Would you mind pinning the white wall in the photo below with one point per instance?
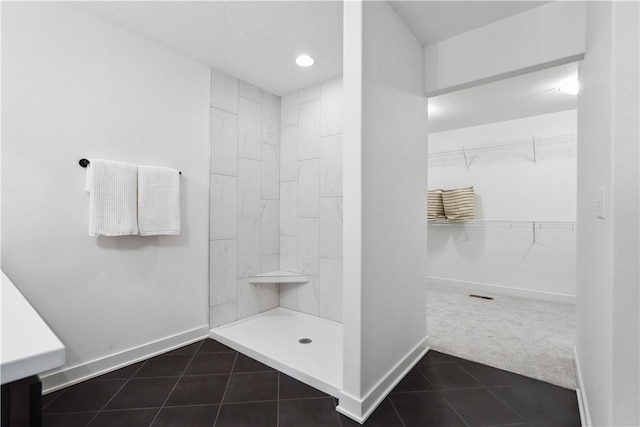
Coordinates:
(394, 177)
(385, 183)
(607, 254)
(74, 86)
(352, 209)
(245, 156)
(550, 34)
(311, 198)
(508, 186)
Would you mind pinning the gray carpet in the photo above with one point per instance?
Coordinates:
(529, 337)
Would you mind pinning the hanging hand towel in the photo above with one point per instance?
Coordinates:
(158, 201)
(112, 188)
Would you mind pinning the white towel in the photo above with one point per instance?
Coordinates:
(112, 188)
(158, 201)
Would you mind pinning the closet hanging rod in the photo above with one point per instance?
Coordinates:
(565, 137)
(84, 163)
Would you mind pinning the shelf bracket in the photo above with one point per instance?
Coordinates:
(464, 154)
(466, 236)
(533, 229)
(533, 144)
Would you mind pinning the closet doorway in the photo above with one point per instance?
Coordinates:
(502, 284)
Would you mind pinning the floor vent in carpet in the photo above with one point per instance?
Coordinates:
(480, 296)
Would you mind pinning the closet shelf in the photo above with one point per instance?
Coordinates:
(533, 142)
(506, 223)
(532, 225)
(279, 276)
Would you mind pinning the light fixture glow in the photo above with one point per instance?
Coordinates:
(304, 60)
(571, 87)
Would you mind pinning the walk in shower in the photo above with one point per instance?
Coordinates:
(283, 183)
(276, 227)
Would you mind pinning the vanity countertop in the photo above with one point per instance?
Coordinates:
(28, 345)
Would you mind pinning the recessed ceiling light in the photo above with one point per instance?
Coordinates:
(304, 60)
(571, 87)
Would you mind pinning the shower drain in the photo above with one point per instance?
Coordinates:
(304, 340)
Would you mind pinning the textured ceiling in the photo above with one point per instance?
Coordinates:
(433, 21)
(255, 41)
(522, 96)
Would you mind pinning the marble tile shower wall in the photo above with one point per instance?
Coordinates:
(245, 193)
(311, 198)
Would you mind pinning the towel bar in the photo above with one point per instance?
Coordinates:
(84, 163)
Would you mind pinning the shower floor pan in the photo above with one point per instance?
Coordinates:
(273, 338)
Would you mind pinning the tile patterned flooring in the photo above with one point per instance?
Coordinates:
(209, 384)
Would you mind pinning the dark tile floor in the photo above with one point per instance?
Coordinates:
(209, 384)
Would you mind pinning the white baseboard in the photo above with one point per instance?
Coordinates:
(359, 409)
(55, 380)
(499, 290)
(585, 415)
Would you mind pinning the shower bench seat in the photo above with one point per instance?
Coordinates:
(279, 276)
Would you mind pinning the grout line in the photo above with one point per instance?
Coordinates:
(177, 382)
(221, 109)
(68, 412)
(454, 410)
(473, 376)
(309, 398)
(506, 404)
(331, 134)
(460, 388)
(222, 374)
(218, 240)
(251, 158)
(236, 296)
(396, 411)
(63, 391)
(194, 405)
(118, 391)
(225, 389)
(423, 376)
(436, 390)
(255, 372)
(248, 401)
(224, 174)
(132, 409)
(157, 376)
(278, 402)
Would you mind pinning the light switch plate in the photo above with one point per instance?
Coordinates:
(598, 203)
